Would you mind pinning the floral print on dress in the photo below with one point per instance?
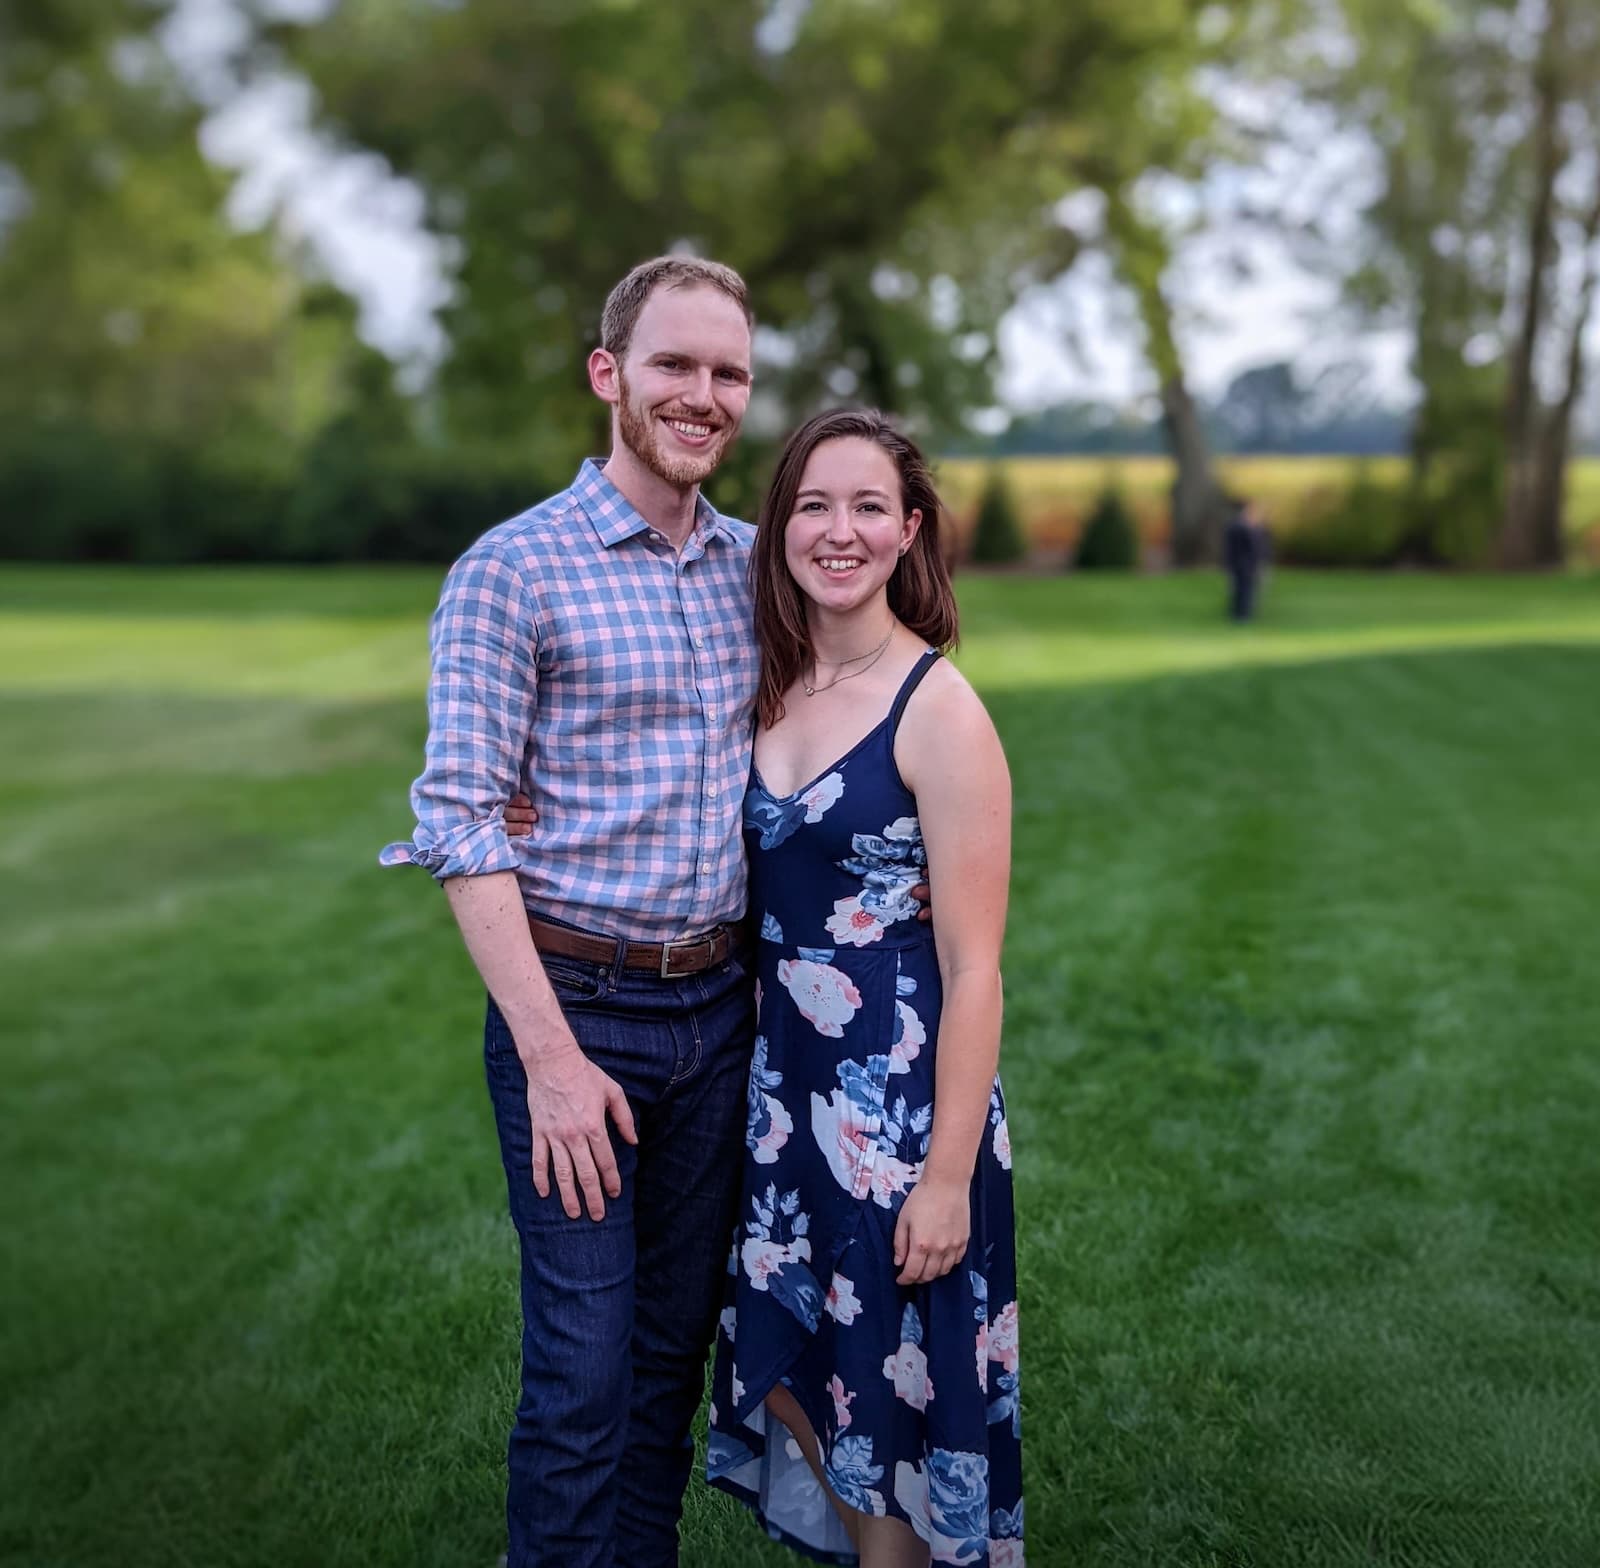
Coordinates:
(1005, 1537)
(1003, 1337)
(844, 1306)
(1002, 1133)
(851, 1473)
(851, 923)
(980, 1311)
(776, 1265)
(821, 795)
(947, 1499)
(767, 1124)
(842, 1400)
(907, 1368)
(826, 997)
(775, 821)
(909, 1038)
(1005, 1408)
(845, 1129)
(889, 864)
(902, 1147)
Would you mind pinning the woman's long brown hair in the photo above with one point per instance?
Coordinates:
(919, 591)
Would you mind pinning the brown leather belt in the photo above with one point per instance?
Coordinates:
(669, 960)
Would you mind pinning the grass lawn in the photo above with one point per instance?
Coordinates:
(1302, 1017)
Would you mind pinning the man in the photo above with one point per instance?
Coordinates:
(1244, 551)
(596, 653)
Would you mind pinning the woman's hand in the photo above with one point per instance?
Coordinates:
(930, 1237)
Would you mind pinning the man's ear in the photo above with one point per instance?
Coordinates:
(605, 379)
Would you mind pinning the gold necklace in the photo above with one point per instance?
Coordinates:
(872, 658)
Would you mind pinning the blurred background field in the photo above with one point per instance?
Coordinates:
(1299, 1050)
(1054, 495)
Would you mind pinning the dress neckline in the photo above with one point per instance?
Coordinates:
(901, 696)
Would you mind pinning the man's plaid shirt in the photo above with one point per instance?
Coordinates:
(578, 658)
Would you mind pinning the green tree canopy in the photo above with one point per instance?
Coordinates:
(846, 162)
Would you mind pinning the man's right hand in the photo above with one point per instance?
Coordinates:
(568, 1096)
(568, 1100)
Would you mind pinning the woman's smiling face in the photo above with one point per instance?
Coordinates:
(847, 529)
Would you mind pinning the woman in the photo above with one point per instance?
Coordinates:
(865, 1390)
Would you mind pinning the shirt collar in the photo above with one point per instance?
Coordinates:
(615, 518)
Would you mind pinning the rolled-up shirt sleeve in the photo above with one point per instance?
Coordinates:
(482, 695)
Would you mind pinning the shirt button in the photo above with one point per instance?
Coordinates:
(705, 868)
(711, 790)
(699, 642)
(657, 539)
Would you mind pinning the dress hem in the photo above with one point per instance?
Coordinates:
(777, 1533)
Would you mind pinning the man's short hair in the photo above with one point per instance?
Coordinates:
(627, 299)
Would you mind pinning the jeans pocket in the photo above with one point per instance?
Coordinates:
(575, 982)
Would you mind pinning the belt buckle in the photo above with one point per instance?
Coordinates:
(704, 940)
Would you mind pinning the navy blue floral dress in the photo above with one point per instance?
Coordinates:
(911, 1391)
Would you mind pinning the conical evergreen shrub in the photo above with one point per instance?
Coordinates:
(1109, 541)
(998, 538)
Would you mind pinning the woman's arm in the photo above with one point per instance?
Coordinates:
(950, 758)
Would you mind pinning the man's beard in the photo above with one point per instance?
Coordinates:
(641, 435)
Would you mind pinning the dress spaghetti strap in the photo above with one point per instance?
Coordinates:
(909, 685)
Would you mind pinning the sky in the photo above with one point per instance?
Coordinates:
(1242, 296)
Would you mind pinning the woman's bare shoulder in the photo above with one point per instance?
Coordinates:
(943, 716)
(944, 696)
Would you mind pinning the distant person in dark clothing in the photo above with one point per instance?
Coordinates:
(1244, 553)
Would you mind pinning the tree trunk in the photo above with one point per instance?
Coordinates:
(1522, 422)
(1547, 492)
(1197, 500)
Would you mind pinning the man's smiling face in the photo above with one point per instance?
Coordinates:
(684, 382)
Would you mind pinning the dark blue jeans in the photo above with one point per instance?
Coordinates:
(618, 1314)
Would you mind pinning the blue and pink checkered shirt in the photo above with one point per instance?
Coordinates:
(578, 658)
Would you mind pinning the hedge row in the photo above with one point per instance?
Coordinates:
(82, 495)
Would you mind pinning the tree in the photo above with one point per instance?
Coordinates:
(844, 155)
(997, 537)
(131, 303)
(1149, 109)
(1198, 504)
(1563, 89)
(560, 144)
(1483, 112)
(128, 300)
(1109, 541)
(162, 375)
(1547, 495)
